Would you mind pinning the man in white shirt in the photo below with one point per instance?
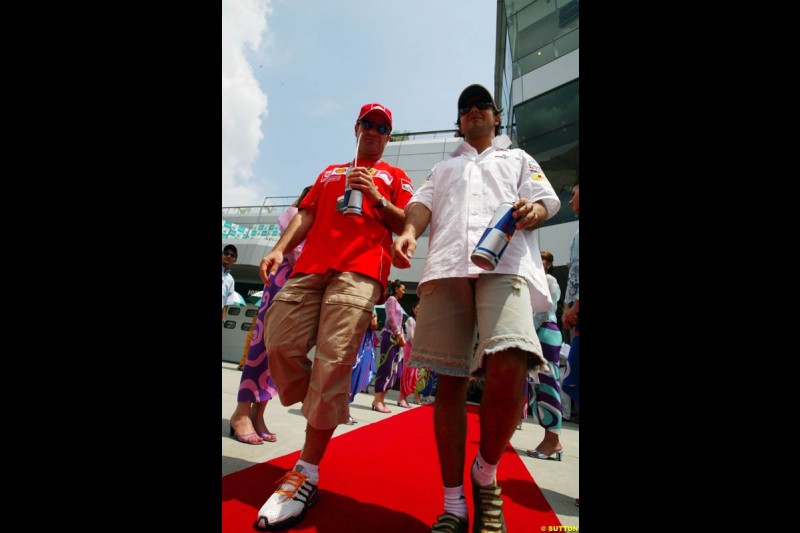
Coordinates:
(229, 255)
(461, 194)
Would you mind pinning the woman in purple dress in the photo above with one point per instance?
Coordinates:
(256, 387)
(364, 367)
(392, 342)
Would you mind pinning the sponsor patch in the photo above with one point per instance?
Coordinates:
(533, 168)
(340, 170)
(537, 177)
(381, 174)
(408, 187)
(334, 174)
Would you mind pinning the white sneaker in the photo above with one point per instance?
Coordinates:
(287, 505)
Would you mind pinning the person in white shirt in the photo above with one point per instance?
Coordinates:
(229, 255)
(460, 195)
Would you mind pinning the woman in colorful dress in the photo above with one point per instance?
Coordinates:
(364, 367)
(392, 340)
(546, 388)
(410, 378)
(256, 387)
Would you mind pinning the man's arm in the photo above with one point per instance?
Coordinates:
(393, 216)
(295, 233)
(417, 219)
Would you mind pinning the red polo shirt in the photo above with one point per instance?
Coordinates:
(351, 244)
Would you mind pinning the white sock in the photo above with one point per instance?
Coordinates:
(454, 501)
(312, 471)
(482, 472)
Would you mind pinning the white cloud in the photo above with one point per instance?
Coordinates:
(244, 24)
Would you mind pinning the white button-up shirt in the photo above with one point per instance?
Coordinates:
(463, 193)
(228, 286)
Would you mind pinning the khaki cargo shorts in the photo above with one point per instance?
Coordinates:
(330, 311)
(461, 320)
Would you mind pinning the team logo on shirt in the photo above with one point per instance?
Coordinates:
(334, 174)
(381, 174)
(538, 177)
(408, 187)
(533, 168)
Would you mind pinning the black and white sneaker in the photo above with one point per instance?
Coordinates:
(287, 505)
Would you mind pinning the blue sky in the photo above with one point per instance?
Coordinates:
(296, 72)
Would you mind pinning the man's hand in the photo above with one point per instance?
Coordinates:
(403, 250)
(529, 215)
(570, 316)
(361, 179)
(269, 265)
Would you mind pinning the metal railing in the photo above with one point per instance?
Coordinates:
(433, 134)
(266, 207)
(415, 135)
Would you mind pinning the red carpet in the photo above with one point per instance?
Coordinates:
(384, 477)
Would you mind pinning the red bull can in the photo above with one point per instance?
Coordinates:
(495, 238)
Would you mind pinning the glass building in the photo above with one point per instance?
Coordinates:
(537, 84)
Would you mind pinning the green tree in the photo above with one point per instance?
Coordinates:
(400, 136)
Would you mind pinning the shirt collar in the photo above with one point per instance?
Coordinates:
(501, 141)
(225, 271)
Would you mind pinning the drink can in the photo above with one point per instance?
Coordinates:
(353, 200)
(495, 238)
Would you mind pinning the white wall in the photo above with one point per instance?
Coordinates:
(556, 239)
(234, 340)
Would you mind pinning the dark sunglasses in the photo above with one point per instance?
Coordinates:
(367, 125)
(229, 254)
(480, 105)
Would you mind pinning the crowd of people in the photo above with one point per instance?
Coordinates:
(499, 326)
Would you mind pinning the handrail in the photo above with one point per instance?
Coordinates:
(248, 209)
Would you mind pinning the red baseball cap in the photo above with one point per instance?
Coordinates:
(369, 108)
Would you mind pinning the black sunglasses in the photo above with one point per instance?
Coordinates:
(480, 105)
(367, 125)
(229, 254)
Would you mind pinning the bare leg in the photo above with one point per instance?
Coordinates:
(315, 444)
(257, 415)
(501, 402)
(379, 401)
(550, 443)
(241, 422)
(450, 428)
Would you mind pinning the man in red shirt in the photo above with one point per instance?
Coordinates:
(338, 278)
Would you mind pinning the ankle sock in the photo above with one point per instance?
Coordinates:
(482, 472)
(312, 471)
(454, 501)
